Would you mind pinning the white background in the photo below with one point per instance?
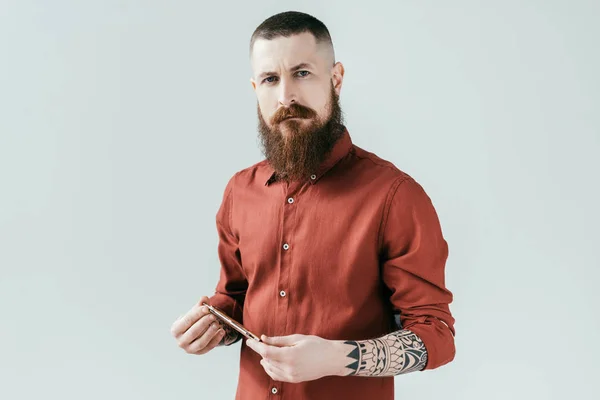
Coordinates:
(121, 122)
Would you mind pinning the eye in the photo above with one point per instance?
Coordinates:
(303, 74)
(269, 79)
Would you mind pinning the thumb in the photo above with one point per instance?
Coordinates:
(280, 340)
(204, 299)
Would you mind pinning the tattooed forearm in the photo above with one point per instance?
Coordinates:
(231, 336)
(393, 354)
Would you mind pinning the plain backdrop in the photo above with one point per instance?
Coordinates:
(121, 122)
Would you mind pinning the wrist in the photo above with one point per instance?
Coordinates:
(339, 357)
(231, 336)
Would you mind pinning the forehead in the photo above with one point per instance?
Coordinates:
(269, 55)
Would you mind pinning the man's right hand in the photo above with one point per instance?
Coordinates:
(198, 331)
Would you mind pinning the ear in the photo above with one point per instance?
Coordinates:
(253, 82)
(337, 76)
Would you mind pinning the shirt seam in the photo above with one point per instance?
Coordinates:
(229, 228)
(230, 200)
(382, 165)
(387, 207)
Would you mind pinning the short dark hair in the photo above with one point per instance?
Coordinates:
(291, 23)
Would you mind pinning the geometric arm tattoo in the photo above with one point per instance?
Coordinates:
(396, 353)
(231, 336)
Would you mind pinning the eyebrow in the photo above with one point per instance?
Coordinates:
(293, 69)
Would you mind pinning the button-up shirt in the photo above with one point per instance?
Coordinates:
(337, 256)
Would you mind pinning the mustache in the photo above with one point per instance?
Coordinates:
(293, 111)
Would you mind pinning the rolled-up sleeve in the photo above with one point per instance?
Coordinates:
(231, 288)
(414, 254)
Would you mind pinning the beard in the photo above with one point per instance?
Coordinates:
(298, 153)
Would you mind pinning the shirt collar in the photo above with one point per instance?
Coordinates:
(340, 149)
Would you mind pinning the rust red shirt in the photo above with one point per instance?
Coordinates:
(335, 256)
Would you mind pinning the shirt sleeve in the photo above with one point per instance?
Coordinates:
(414, 255)
(231, 288)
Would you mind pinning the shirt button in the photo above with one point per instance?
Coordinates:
(313, 177)
(274, 390)
(290, 200)
(282, 293)
(286, 246)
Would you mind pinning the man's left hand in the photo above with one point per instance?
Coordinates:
(299, 358)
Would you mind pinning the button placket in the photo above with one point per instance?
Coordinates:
(289, 209)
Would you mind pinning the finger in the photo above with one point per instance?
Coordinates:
(183, 323)
(276, 367)
(271, 371)
(281, 341)
(196, 330)
(202, 341)
(256, 346)
(280, 366)
(267, 351)
(213, 343)
(189, 319)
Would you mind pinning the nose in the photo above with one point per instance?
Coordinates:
(287, 93)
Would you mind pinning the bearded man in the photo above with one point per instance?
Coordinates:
(332, 254)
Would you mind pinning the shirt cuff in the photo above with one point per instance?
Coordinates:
(228, 305)
(438, 341)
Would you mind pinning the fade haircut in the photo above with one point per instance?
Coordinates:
(291, 23)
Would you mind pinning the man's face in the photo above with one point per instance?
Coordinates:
(297, 88)
(293, 70)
